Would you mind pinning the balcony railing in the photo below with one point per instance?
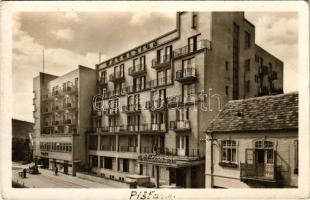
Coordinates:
(192, 48)
(47, 96)
(68, 121)
(116, 129)
(70, 89)
(111, 111)
(69, 105)
(117, 76)
(107, 148)
(127, 149)
(57, 123)
(181, 125)
(56, 93)
(57, 107)
(137, 70)
(156, 105)
(256, 172)
(186, 75)
(132, 108)
(170, 151)
(162, 61)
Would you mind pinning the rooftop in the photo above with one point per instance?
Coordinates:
(260, 113)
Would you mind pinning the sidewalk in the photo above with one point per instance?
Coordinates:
(47, 179)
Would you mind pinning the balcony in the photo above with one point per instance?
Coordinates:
(69, 105)
(146, 128)
(70, 89)
(47, 124)
(161, 62)
(192, 48)
(187, 75)
(96, 113)
(111, 112)
(56, 93)
(256, 173)
(117, 77)
(56, 123)
(47, 110)
(137, 70)
(68, 121)
(116, 129)
(180, 125)
(57, 108)
(160, 82)
(194, 153)
(46, 97)
(131, 149)
(156, 105)
(107, 148)
(131, 109)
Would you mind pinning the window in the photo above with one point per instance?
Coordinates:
(226, 66)
(229, 151)
(227, 90)
(247, 86)
(256, 58)
(192, 44)
(247, 65)
(194, 21)
(247, 40)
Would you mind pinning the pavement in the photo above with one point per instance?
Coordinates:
(47, 179)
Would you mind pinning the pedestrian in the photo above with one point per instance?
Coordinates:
(56, 170)
(24, 172)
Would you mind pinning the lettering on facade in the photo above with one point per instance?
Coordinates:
(156, 159)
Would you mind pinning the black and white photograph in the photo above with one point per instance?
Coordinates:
(148, 101)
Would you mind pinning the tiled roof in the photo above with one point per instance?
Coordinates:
(260, 113)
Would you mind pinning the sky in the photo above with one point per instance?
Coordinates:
(70, 39)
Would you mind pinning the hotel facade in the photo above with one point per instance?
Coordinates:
(154, 102)
(62, 109)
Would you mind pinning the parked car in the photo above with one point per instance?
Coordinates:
(33, 169)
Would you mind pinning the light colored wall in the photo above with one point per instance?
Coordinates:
(230, 177)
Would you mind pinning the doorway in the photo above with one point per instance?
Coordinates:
(264, 158)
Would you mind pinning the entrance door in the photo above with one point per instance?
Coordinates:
(264, 154)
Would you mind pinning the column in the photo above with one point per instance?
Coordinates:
(116, 142)
(157, 176)
(139, 144)
(98, 143)
(188, 177)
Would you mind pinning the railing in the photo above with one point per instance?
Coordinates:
(186, 73)
(56, 92)
(132, 108)
(69, 89)
(56, 108)
(161, 61)
(181, 125)
(117, 76)
(127, 149)
(115, 129)
(107, 148)
(171, 152)
(56, 123)
(191, 48)
(157, 104)
(68, 121)
(248, 171)
(111, 111)
(69, 105)
(137, 69)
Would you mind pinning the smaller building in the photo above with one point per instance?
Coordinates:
(254, 143)
(22, 142)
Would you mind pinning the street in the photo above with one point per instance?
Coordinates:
(47, 179)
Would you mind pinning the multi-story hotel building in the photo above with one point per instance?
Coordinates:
(62, 106)
(139, 133)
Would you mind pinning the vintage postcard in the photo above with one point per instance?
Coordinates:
(154, 100)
